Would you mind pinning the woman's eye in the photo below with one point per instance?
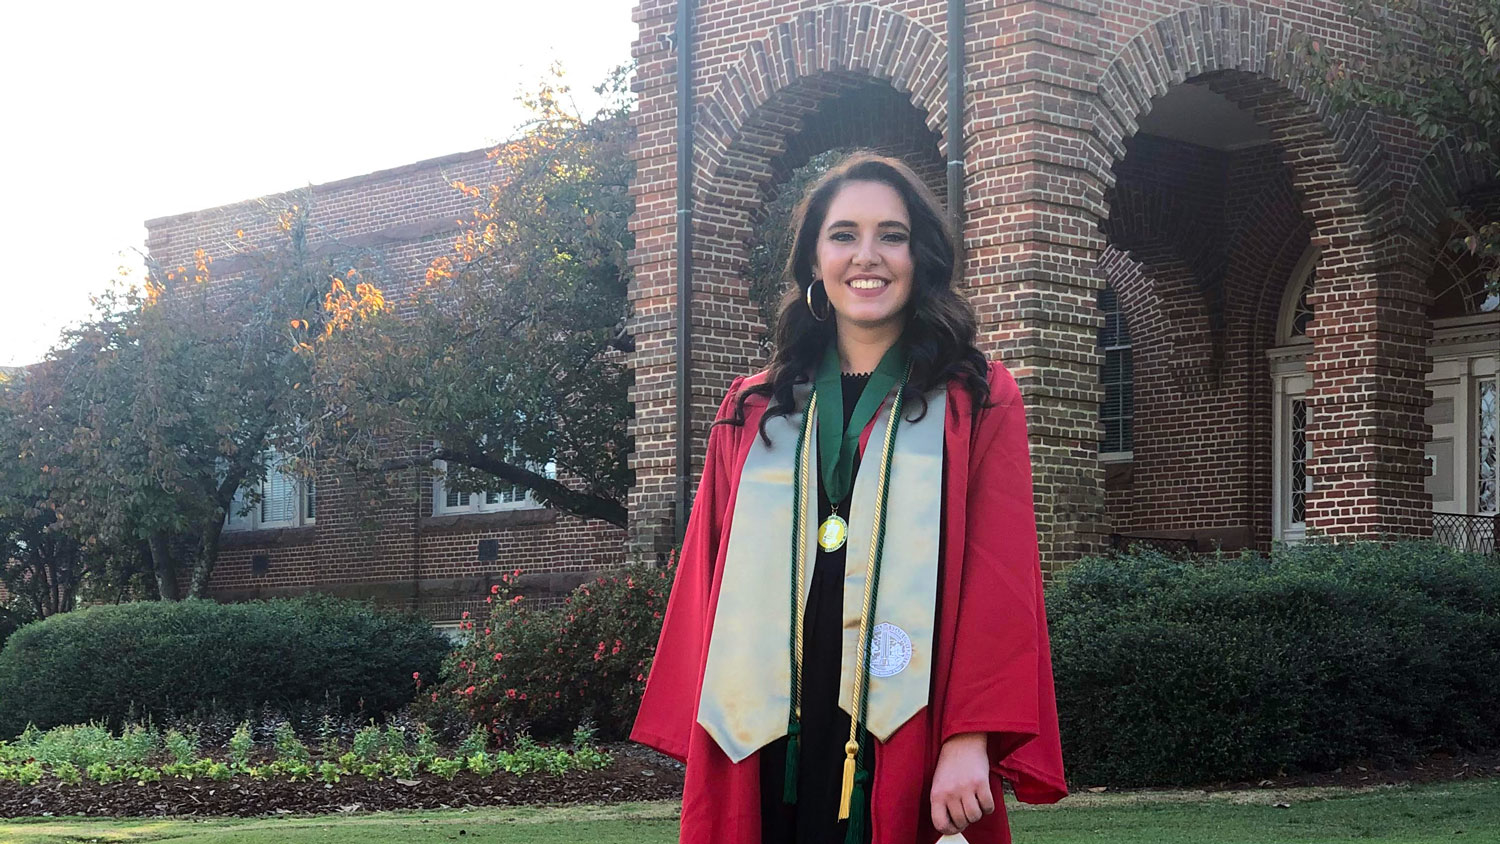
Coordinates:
(842, 237)
(894, 237)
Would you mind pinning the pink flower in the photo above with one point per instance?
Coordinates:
(416, 675)
(510, 693)
(469, 690)
(495, 590)
(499, 656)
(465, 615)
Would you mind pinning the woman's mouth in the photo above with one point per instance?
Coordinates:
(868, 286)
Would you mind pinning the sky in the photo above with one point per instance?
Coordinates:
(121, 112)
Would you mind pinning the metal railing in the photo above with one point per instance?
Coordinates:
(1465, 532)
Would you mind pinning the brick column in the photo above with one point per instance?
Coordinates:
(1367, 434)
(1033, 195)
(653, 285)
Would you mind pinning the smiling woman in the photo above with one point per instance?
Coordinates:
(848, 694)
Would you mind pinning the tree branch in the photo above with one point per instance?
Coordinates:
(554, 493)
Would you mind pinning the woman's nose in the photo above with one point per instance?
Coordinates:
(867, 254)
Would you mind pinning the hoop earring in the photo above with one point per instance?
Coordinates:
(810, 308)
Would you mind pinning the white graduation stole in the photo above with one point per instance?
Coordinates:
(747, 676)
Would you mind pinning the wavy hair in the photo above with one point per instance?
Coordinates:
(940, 327)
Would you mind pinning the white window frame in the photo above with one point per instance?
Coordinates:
(1464, 355)
(1291, 384)
(479, 502)
(305, 494)
(1127, 455)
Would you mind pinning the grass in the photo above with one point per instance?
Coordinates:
(1399, 815)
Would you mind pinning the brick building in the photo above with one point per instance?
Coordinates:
(1229, 311)
(433, 550)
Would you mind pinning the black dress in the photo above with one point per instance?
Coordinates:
(825, 726)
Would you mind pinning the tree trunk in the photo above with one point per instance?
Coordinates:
(208, 554)
(162, 565)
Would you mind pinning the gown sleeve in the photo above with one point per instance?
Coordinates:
(669, 706)
(1001, 681)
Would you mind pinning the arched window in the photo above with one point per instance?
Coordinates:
(1291, 413)
(1296, 313)
(1117, 377)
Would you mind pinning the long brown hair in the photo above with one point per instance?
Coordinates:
(940, 325)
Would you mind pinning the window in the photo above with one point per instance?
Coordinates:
(1117, 378)
(285, 499)
(448, 502)
(1292, 483)
(1487, 446)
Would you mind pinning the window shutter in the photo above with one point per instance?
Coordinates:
(278, 503)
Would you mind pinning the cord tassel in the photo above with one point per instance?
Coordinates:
(856, 831)
(847, 792)
(793, 753)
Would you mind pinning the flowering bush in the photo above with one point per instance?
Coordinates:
(547, 671)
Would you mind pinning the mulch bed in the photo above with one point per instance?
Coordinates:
(637, 774)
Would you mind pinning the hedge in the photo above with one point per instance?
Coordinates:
(164, 659)
(1174, 672)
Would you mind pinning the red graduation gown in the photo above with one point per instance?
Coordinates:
(992, 670)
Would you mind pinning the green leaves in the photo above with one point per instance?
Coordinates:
(512, 351)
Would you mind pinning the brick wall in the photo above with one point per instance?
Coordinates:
(1053, 96)
(412, 558)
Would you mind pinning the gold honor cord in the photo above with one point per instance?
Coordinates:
(799, 609)
(872, 577)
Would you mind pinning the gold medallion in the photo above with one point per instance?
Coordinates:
(832, 533)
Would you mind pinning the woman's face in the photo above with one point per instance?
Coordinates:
(864, 255)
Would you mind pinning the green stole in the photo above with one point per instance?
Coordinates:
(747, 692)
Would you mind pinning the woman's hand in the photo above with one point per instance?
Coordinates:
(961, 784)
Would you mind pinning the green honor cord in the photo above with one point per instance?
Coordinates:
(855, 792)
(856, 773)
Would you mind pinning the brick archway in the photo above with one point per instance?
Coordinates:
(1368, 360)
(1052, 91)
(750, 122)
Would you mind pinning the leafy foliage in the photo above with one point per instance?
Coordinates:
(1172, 672)
(548, 671)
(1436, 65)
(110, 663)
(138, 430)
(69, 753)
(511, 354)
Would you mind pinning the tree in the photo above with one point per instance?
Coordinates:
(41, 569)
(1437, 66)
(149, 418)
(511, 354)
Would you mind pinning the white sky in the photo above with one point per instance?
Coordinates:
(115, 113)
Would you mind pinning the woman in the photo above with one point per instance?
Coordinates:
(856, 646)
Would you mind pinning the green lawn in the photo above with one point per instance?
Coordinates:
(1467, 812)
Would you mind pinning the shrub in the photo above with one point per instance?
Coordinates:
(547, 671)
(165, 659)
(10, 622)
(1175, 672)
